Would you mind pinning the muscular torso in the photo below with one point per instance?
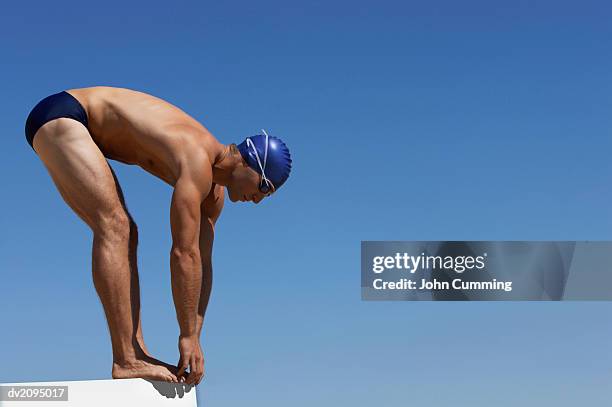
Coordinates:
(139, 129)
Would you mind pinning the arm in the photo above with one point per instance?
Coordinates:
(207, 233)
(186, 273)
(211, 209)
(185, 263)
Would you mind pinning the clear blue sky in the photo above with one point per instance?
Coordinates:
(407, 121)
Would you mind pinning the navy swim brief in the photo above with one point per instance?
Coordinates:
(52, 107)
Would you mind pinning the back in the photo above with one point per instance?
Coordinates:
(137, 128)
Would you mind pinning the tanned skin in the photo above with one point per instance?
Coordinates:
(139, 129)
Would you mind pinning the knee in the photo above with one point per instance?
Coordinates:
(114, 226)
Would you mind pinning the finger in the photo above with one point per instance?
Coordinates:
(189, 379)
(183, 365)
(201, 370)
(198, 371)
(192, 371)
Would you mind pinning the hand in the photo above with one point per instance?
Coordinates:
(192, 358)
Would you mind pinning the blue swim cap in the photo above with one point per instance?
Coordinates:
(269, 156)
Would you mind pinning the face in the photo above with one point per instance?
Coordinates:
(244, 185)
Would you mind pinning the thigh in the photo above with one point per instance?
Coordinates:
(79, 170)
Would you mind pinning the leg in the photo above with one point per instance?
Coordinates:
(133, 264)
(85, 181)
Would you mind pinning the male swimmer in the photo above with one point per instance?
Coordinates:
(75, 131)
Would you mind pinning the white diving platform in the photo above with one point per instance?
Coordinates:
(98, 393)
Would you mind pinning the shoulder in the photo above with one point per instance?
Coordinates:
(193, 161)
(195, 156)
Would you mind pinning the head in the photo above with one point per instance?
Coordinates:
(264, 165)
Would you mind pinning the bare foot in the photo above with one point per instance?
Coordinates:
(145, 368)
